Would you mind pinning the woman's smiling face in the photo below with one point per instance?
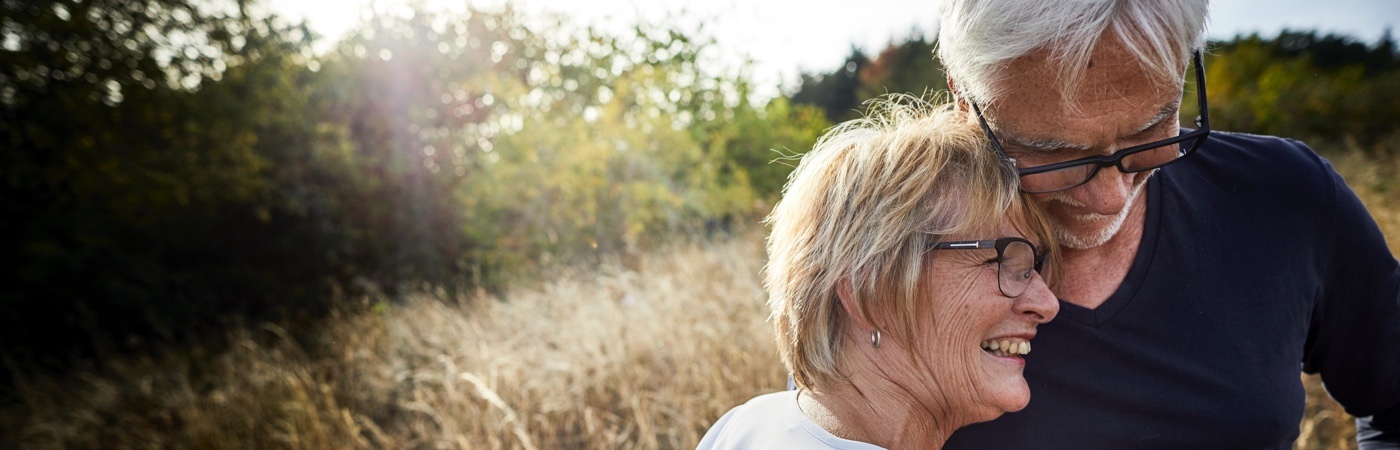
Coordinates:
(975, 335)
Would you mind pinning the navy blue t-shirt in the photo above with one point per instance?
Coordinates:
(1256, 262)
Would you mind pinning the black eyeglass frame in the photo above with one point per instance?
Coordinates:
(1200, 134)
(1000, 245)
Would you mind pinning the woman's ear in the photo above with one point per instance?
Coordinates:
(855, 312)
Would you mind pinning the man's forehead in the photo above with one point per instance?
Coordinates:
(1048, 74)
(1033, 99)
(1048, 136)
(1115, 102)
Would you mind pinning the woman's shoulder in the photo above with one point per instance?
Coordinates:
(773, 421)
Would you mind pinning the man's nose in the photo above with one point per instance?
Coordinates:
(1107, 192)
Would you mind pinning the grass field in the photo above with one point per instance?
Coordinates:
(644, 353)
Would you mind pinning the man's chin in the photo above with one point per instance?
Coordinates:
(1088, 230)
(1085, 236)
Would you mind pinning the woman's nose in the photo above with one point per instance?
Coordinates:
(1038, 303)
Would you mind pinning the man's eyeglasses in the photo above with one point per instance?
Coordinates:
(1138, 158)
(1017, 261)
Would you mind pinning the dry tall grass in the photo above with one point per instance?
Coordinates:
(641, 355)
(611, 358)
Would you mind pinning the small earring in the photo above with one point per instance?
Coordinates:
(875, 339)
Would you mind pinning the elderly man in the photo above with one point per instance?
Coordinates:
(1201, 270)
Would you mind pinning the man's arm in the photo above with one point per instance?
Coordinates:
(1354, 340)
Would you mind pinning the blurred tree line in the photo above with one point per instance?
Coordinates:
(1331, 90)
(169, 166)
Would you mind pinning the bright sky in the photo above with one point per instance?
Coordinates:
(783, 37)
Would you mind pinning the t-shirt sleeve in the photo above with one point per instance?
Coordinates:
(1354, 337)
(711, 439)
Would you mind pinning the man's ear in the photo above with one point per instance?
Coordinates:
(958, 99)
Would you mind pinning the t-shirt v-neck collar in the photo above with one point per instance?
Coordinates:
(1142, 262)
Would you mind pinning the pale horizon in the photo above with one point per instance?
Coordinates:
(784, 38)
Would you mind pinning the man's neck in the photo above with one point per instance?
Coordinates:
(1089, 276)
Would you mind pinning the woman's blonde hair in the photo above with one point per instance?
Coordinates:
(861, 208)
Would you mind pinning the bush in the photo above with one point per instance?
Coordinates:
(207, 165)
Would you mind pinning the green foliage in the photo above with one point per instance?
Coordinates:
(1327, 88)
(908, 67)
(749, 146)
(835, 92)
(175, 164)
(140, 143)
(501, 147)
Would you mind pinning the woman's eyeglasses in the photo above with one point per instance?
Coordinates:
(1017, 260)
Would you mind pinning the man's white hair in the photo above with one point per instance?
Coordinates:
(977, 38)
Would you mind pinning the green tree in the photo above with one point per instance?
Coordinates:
(906, 67)
(909, 67)
(1322, 88)
(836, 92)
(142, 155)
(176, 166)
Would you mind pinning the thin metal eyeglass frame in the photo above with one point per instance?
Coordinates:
(1116, 159)
(1000, 245)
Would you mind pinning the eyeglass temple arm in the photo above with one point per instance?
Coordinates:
(965, 244)
(988, 129)
(1204, 117)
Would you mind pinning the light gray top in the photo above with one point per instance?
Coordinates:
(773, 421)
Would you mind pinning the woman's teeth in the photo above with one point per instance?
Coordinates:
(1006, 347)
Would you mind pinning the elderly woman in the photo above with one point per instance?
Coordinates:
(903, 278)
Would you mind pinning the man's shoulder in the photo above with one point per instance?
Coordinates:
(1245, 150)
(1244, 163)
